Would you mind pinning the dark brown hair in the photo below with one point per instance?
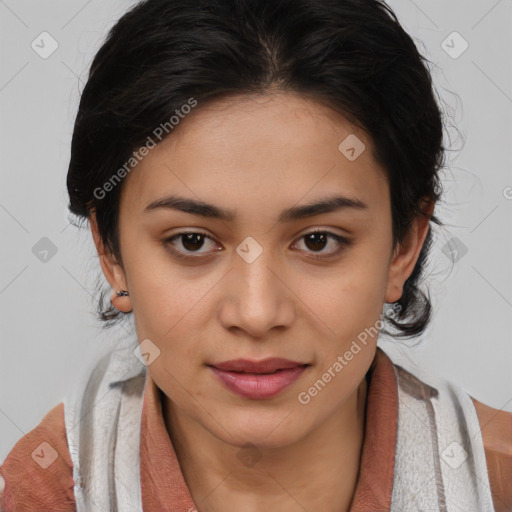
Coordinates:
(351, 55)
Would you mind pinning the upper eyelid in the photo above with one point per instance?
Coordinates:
(338, 237)
(199, 232)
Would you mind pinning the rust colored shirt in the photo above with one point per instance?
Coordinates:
(30, 486)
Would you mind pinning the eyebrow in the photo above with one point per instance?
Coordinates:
(194, 207)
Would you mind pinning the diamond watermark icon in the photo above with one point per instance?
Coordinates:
(454, 455)
(249, 455)
(44, 455)
(454, 249)
(454, 45)
(44, 45)
(44, 250)
(249, 249)
(351, 147)
(146, 352)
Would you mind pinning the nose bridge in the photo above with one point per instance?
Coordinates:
(253, 270)
(258, 295)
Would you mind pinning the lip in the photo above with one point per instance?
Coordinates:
(269, 365)
(258, 379)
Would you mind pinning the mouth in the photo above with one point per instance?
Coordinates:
(258, 380)
(261, 373)
(264, 367)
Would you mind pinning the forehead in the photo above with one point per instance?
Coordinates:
(259, 150)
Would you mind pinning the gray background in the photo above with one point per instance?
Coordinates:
(48, 330)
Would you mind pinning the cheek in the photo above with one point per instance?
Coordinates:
(332, 385)
(169, 309)
(163, 292)
(346, 301)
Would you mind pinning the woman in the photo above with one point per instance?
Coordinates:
(260, 180)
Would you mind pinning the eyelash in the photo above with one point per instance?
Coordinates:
(167, 243)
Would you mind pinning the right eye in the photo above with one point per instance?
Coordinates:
(190, 241)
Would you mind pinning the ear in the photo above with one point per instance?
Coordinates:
(112, 269)
(406, 254)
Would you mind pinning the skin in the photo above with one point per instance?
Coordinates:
(258, 155)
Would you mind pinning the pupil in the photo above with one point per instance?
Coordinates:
(192, 238)
(311, 237)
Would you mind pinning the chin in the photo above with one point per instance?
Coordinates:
(274, 430)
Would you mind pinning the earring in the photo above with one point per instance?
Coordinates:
(120, 300)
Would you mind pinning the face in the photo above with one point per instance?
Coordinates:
(259, 282)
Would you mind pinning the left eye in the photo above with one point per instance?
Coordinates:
(319, 239)
(193, 241)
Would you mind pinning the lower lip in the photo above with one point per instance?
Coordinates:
(253, 385)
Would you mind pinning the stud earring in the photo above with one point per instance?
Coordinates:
(121, 301)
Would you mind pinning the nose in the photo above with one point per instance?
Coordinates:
(258, 297)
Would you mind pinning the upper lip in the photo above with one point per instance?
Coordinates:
(268, 365)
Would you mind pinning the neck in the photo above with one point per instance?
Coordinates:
(318, 472)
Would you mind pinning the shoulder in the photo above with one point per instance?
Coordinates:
(496, 427)
(38, 471)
